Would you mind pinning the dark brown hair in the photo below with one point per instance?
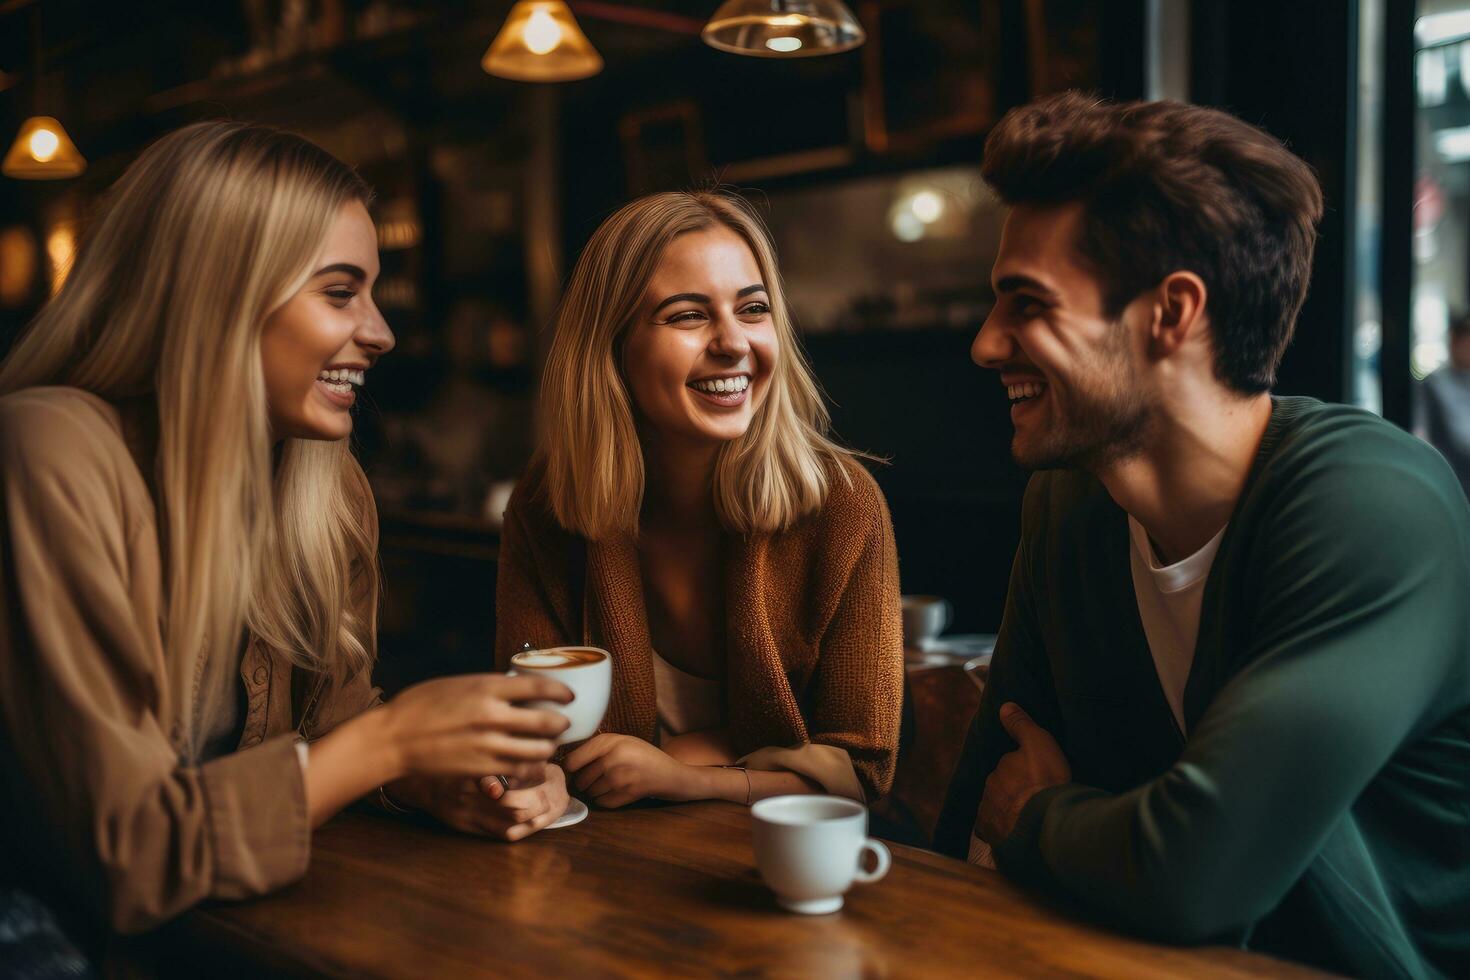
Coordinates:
(1167, 187)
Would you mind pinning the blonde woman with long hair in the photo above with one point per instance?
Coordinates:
(188, 568)
(687, 511)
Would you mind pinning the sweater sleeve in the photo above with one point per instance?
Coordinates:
(111, 815)
(857, 695)
(1358, 632)
(1018, 673)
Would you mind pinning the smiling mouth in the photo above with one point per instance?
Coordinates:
(722, 391)
(342, 381)
(1025, 392)
(339, 386)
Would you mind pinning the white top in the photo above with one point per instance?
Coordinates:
(1169, 598)
(686, 703)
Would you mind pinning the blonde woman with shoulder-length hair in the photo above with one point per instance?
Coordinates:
(187, 549)
(687, 511)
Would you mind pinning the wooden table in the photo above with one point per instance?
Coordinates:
(659, 891)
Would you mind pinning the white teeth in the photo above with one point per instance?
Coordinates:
(723, 386)
(1025, 390)
(343, 377)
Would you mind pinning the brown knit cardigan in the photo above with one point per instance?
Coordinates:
(814, 647)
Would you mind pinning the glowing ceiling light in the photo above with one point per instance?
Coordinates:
(542, 33)
(927, 206)
(783, 28)
(541, 42)
(43, 151)
(44, 145)
(906, 227)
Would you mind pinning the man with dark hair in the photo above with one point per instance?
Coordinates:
(1231, 694)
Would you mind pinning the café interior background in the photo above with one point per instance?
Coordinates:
(865, 164)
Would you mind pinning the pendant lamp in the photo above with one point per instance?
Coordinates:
(541, 42)
(783, 28)
(42, 150)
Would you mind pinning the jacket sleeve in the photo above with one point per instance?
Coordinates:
(1019, 673)
(524, 610)
(857, 695)
(110, 812)
(1357, 646)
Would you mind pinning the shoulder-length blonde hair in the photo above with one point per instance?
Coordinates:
(209, 231)
(775, 473)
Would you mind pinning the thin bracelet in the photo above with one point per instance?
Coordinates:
(747, 780)
(388, 803)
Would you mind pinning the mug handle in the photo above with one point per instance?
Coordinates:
(880, 854)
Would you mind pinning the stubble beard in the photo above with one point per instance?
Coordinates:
(1100, 419)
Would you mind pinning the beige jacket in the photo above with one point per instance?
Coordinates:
(107, 818)
(814, 637)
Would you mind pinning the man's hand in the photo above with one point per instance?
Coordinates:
(615, 770)
(1037, 763)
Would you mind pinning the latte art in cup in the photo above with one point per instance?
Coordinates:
(586, 670)
(552, 659)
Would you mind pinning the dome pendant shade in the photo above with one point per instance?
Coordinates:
(783, 28)
(43, 151)
(541, 42)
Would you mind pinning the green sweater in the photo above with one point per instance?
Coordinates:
(1320, 807)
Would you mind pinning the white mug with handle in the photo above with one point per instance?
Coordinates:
(810, 849)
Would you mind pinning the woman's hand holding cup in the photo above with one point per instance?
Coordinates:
(472, 726)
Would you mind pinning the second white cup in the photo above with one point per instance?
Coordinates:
(810, 849)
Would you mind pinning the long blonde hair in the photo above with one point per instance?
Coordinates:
(208, 232)
(775, 473)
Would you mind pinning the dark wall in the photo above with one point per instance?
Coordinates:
(1291, 68)
(943, 427)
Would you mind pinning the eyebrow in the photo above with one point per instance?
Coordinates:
(354, 271)
(1010, 284)
(680, 298)
(702, 298)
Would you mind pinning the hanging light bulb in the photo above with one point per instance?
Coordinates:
(542, 33)
(44, 145)
(43, 151)
(783, 28)
(541, 42)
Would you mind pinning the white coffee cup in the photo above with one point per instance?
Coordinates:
(586, 670)
(924, 618)
(810, 850)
